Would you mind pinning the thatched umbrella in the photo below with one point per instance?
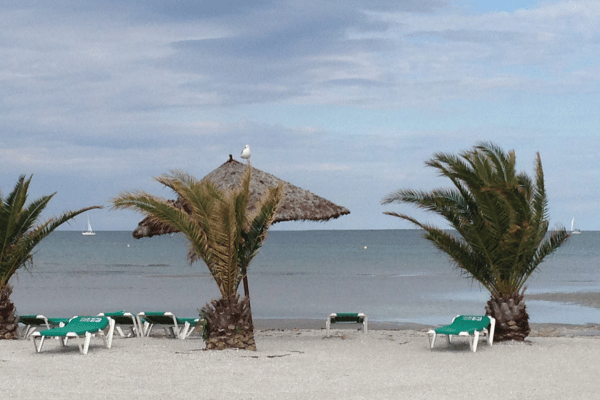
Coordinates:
(298, 204)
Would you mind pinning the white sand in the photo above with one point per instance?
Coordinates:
(302, 364)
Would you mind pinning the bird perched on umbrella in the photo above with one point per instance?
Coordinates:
(246, 153)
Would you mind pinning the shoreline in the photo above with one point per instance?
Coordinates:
(586, 299)
(537, 329)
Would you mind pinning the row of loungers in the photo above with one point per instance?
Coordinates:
(471, 326)
(86, 327)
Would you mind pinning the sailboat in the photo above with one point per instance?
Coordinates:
(89, 231)
(574, 231)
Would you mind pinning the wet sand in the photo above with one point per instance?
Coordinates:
(588, 299)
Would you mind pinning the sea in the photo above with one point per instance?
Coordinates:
(393, 276)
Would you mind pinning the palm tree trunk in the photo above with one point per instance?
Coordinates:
(229, 324)
(247, 291)
(8, 319)
(512, 320)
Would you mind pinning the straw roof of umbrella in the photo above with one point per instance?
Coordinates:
(298, 204)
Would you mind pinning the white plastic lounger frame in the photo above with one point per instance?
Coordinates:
(473, 339)
(83, 339)
(357, 318)
(187, 329)
(127, 319)
(42, 322)
(170, 324)
(29, 329)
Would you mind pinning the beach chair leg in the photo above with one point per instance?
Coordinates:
(83, 348)
(135, 330)
(449, 339)
(491, 331)
(171, 331)
(432, 336)
(138, 328)
(192, 329)
(183, 333)
(108, 337)
(474, 340)
(120, 332)
(24, 332)
(148, 329)
(38, 347)
(30, 330)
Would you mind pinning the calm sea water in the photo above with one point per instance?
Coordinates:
(391, 275)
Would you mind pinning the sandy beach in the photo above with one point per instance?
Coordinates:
(557, 362)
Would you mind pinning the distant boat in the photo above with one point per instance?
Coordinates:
(574, 231)
(89, 231)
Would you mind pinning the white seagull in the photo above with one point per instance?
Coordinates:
(246, 153)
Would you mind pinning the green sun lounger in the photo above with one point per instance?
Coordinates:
(34, 322)
(80, 328)
(357, 318)
(180, 328)
(471, 326)
(124, 319)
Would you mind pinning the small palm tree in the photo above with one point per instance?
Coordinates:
(225, 235)
(501, 218)
(19, 235)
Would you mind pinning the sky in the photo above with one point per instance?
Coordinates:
(347, 99)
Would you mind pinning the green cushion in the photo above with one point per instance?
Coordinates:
(30, 320)
(35, 321)
(191, 321)
(157, 317)
(465, 323)
(154, 313)
(78, 325)
(114, 314)
(57, 321)
(120, 318)
(347, 317)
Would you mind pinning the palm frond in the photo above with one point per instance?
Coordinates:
(215, 223)
(20, 232)
(500, 215)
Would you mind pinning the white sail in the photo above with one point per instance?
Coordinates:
(89, 231)
(573, 230)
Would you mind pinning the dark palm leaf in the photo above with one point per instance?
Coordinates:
(501, 216)
(216, 222)
(20, 232)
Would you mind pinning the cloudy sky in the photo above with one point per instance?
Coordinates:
(347, 99)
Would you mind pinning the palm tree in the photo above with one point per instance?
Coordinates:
(225, 235)
(501, 218)
(19, 234)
